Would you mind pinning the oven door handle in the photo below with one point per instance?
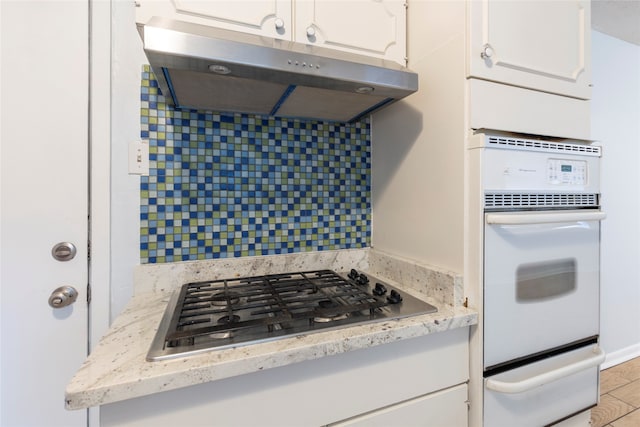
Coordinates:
(546, 377)
(543, 218)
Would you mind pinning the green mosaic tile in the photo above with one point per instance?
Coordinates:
(229, 185)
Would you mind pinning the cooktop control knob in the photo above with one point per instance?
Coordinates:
(353, 274)
(394, 297)
(362, 280)
(379, 289)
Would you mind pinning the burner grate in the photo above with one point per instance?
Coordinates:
(231, 312)
(269, 302)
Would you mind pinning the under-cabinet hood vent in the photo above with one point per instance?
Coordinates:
(206, 68)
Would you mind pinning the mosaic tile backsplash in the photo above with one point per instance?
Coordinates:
(231, 185)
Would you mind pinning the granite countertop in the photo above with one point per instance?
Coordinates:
(117, 368)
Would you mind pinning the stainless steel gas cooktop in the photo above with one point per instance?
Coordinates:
(226, 313)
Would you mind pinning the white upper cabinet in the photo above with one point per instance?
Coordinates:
(368, 27)
(264, 17)
(374, 28)
(540, 45)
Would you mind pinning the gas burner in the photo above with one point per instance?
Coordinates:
(227, 320)
(328, 319)
(223, 298)
(226, 313)
(221, 335)
(327, 304)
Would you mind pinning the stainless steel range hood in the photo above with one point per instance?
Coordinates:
(206, 68)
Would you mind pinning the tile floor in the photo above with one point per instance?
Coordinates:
(619, 396)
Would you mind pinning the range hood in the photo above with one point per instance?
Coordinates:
(200, 67)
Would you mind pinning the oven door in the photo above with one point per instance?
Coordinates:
(541, 282)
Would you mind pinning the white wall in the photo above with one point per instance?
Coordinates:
(615, 121)
(126, 62)
(417, 170)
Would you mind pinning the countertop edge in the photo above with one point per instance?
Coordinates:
(116, 369)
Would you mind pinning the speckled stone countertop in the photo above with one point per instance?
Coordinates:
(117, 368)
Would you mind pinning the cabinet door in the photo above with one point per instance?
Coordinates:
(369, 27)
(270, 18)
(541, 45)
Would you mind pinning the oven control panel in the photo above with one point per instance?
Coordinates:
(566, 172)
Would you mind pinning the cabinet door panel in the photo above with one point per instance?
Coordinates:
(369, 27)
(265, 17)
(444, 408)
(532, 44)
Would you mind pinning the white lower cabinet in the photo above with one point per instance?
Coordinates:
(417, 380)
(443, 408)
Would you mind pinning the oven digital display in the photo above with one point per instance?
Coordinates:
(567, 172)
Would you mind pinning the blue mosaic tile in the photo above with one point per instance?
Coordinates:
(232, 185)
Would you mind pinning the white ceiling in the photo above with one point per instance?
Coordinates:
(617, 18)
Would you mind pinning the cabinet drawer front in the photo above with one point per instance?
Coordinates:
(543, 404)
(513, 109)
(444, 408)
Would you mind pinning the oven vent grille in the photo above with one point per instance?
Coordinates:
(547, 201)
(537, 145)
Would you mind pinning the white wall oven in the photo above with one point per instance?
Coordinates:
(541, 280)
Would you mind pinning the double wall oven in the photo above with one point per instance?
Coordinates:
(541, 280)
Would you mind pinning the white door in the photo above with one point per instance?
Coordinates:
(541, 45)
(44, 200)
(541, 282)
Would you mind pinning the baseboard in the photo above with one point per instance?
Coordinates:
(620, 356)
